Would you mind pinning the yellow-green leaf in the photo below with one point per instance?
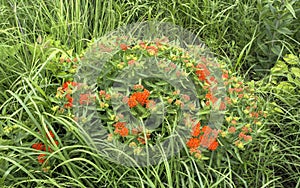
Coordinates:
(291, 59)
(286, 86)
(276, 109)
(296, 71)
(279, 67)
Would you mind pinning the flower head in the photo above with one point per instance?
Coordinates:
(70, 101)
(202, 71)
(231, 129)
(196, 130)
(138, 98)
(121, 129)
(39, 146)
(193, 143)
(213, 146)
(66, 85)
(123, 47)
(86, 98)
(41, 158)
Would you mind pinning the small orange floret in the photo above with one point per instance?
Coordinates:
(193, 143)
(119, 125)
(41, 158)
(121, 129)
(213, 146)
(231, 129)
(196, 130)
(138, 97)
(123, 132)
(124, 47)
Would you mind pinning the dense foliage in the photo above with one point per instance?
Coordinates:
(256, 44)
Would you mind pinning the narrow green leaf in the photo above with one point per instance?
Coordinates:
(290, 8)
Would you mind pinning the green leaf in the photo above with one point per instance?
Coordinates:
(279, 67)
(291, 59)
(297, 82)
(205, 158)
(237, 153)
(273, 81)
(290, 8)
(290, 78)
(61, 74)
(276, 49)
(285, 30)
(296, 71)
(141, 109)
(276, 109)
(286, 86)
(8, 51)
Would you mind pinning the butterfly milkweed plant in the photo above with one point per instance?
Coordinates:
(143, 109)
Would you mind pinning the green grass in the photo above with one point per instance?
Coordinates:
(249, 35)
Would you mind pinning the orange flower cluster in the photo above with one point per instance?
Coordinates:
(40, 146)
(211, 98)
(138, 98)
(237, 90)
(121, 129)
(205, 137)
(211, 80)
(193, 143)
(86, 98)
(231, 129)
(65, 85)
(103, 94)
(152, 50)
(243, 137)
(225, 74)
(124, 47)
(205, 75)
(202, 72)
(70, 101)
(41, 158)
(66, 89)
